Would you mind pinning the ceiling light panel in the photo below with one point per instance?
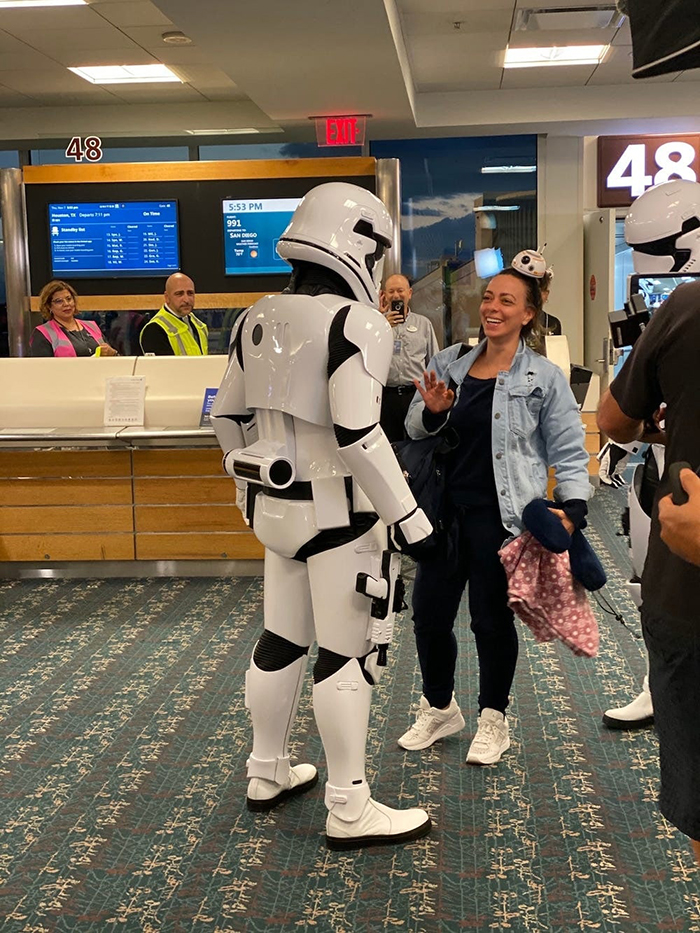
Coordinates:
(547, 57)
(126, 74)
(29, 4)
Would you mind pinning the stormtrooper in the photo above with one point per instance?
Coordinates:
(297, 418)
(663, 229)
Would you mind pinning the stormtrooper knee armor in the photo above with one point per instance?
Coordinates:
(297, 417)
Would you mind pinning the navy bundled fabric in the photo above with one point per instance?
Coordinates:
(549, 531)
(423, 465)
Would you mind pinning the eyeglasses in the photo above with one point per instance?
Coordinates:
(62, 301)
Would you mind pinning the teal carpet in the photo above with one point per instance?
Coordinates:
(122, 781)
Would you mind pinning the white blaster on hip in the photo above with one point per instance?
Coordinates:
(270, 461)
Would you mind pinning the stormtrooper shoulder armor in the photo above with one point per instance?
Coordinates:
(360, 346)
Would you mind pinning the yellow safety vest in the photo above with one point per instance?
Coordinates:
(180, 334)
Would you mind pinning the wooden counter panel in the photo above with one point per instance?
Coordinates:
(343, 166)
(39, 519)
(212, 546)
(69, 491)
(186, 462)
(592, 443)
(183, 518)
(67, 547)
(56, 463)
(184, 491)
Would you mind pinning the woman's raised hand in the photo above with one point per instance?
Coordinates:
(435, 394)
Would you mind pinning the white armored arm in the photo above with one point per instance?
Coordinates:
(360, 347)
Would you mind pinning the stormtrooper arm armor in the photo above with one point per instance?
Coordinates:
(233, 423)
(360, 347)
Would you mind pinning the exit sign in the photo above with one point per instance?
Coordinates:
(341, 131)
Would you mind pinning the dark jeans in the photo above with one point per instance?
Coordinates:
(395, 403)
(437, 592)
(674, 681)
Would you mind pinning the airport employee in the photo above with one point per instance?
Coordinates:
(175, 330)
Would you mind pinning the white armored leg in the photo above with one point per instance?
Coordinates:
(272, 698)
(355, 820)
(341, 708)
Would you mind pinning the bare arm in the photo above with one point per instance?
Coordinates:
(615, 423)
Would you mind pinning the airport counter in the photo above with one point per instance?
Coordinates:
(142, 499)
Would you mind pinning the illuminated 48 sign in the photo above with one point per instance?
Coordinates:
(628, 165)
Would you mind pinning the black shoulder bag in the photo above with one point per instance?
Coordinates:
(423, 463)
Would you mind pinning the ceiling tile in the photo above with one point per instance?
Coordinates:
(458, 8)
(20, 61)
(441, 24)
(156, 93)
(17, 21)
(50, 40)
(75, 58)
(133, 13)
(617, 69)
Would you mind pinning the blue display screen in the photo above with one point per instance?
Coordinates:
(92, 240)
(251, 231)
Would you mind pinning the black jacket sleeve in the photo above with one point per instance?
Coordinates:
(153, 339)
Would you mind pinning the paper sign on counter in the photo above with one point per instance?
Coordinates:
(125, 398)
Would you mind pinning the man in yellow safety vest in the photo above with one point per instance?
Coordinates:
(175, 330)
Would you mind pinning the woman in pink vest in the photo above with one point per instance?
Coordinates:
(63, 334)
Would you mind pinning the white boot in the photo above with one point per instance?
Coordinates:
(355, 821)
(272, 698)
(636, 715)
(341, 707)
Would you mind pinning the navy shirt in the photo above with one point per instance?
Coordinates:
(470, 479)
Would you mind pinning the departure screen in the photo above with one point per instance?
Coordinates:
(111, 240)
(251, 231)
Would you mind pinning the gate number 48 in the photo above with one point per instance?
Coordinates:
(89, 149)
(630, 169)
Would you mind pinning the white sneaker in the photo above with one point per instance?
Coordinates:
(491, 738)
(636, 715)
(263, 795)
(378, 825)
(432, 724)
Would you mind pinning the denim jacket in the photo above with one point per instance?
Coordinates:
(536, 424)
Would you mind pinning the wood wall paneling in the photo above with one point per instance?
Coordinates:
(200, 517)
(67, 547)
(211, 546)
(186, 462)
(108, 491)
(184, 490)
(56, 519)
(62, 463)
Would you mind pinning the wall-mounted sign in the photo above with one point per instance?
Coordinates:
(628, 165)
(341, 130)
(89, 149)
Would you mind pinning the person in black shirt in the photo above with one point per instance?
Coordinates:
(175, 330)
(663, 367)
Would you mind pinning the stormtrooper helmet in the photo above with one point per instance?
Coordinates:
(530, 263)
(344, 228)
(663, 228)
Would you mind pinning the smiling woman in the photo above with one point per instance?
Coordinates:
(63, 334)
(515, 416)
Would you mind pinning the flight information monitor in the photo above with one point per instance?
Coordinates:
(251, 231)
(117, 239)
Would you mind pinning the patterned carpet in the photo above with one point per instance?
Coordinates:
(122, 769)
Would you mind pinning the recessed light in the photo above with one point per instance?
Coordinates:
(545, 57)
(507, 169)
(126, 74)
(489, 208)
(176, 38)
(7, 4)
(237, 131)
